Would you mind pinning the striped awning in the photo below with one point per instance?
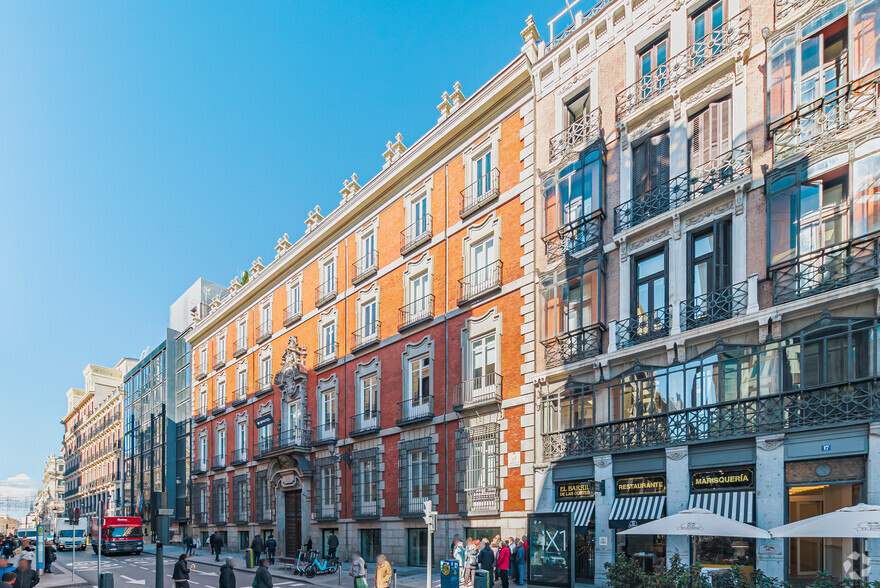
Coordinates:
(581, 511)
(737, 505)
(630, 511)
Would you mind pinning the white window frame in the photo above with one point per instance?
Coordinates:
(327, 394)
(365, 373)
(220, 393)
(241, 376)
(409, 202)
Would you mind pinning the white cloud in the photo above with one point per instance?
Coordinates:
(19, 486)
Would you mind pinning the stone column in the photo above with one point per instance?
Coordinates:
(872, 496)
(280, 515)
(771, 497)
(604, 536)
(677, 493)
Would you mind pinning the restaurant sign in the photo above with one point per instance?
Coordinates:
(568, 491)
(639, 486)
(723, 479)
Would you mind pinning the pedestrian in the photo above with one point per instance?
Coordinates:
(8, 578)
(458, 554)
(271, 546)
(525, 546)
(211, 541)
(8, 547)
(50, 556)
(25, 577)
(504, 564)
(218, 547)
(471, 554)
(495, 545)
(383, 572)
(486, 559)
(257, 547)
(520, 564)
(455, 541)
(332, 545)
(308, 544)
(190, 544)
(511, 544)
(358, 571)
(180, 575)
(263, 578)
(227, 574)
(5, 566)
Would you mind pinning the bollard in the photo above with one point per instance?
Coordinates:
(105, 580)
(340, 573)
(394, 578)
(160, 581)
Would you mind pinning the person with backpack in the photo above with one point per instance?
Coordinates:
(470, 562)
(271, 546)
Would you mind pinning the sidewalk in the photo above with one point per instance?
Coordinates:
(407, 577)
(61, 577)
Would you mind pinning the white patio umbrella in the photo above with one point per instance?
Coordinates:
(698, 522)
(861, 522)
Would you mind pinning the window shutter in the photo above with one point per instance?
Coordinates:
(640, 169)
(722, 254)
(660, 161)
(724, 137)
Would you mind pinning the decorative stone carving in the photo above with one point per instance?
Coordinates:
(769, 443)
(234, 285)
(315, 218)
(283, 245)
(393, 150)
(349, 188)
(739, 200)
(676, 453)
(457, 97)
(708, 213)
(706, 91)
(676, 226)
(676, 103)
(530, 33)
(819, 471)
(215, 303)
(659, 235)
(445, 107)
(601, 461)
(621, 130)
(651, 125)
(584, 74)
(256, 267)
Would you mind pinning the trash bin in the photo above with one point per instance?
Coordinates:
(249, 558)
(449, 573)
(482, 579)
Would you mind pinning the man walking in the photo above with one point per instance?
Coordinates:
(486, 559)
(257, 547)
(332, 545)
(227, 574)
(271, 546)
(358, 570)
(520, 564)
(190, 544)
(263, 578)
(211, 540)
(218, 547)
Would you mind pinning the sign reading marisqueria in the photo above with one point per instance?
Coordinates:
(723, 479)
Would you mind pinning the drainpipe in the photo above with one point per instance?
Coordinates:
(446, 340)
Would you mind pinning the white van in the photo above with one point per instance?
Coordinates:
(68, 536)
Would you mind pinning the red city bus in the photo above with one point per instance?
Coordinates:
(118, 535)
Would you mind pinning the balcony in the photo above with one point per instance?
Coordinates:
(731, 167)
(579, 235)
(479, 501)
(847, 108)
(263, 385)
(201, 414)
(200, 518)
(325, 292)
(326, 511)
(293, 312)
(240, 347)
(264, 331)
(326, 355)
(200, 466)
(480, 282)
(239, 456)
(220, 408)
(642, 328)
(366, 335)
(298, 439)
(416, 312)
(218, 462)
(827, 269)
(575, 345)
(240, 514)
(240, 395)
(481, 191)
(264, 510)
(365, 423)
(850, 403)
(679, 69)
(365, 267)
(202, 372)
(219, 359)
(477, 392)
(716, 306)
(415, 410)
(579, 134)
(415, 234)
(326, 433)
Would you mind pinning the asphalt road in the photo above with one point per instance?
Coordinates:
(140, 570)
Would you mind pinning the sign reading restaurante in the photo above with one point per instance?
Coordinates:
(640, 485)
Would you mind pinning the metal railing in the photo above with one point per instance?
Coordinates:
(326, 433)
(326, 512)
(202, 371)
(366, 335)
(325, 292)
(483, 280)
(729, 167)
(240, 346)
(200, 517)
(578, 235)
(474, 501)
(365, 422)
(241, 393)
(718, 305)
(263, 384)
(293, 312)
(826, 269)
(220, 359)
(326, 354)
(239, 455)
(475, 392)
(296, 439)
(711, 48)
(853, 402)
(264, 330)
(578, 134)
(481, 191)
(786, 7)
(418, 232)
(415, 410)
(812, 125)
(218, 462)
(416, 312)
(574, 345)
(643, 327)
(365, 266)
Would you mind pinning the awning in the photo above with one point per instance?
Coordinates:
(738, 505)
(630, 511)
(581, 511)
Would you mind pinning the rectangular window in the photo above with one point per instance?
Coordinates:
(241, 441)
(652, 66)
(203, 454)
(221, 348)
(709, 252)
(650, 284)
(327, 416)
(650, 163)
(368, 251)
(368, 400)
(570, 300)
(221, 394)
(328, 277)
(477, 481)
(573, 194)
(482, 173)
(365, 469)
(577, 107)
(328, 340)
(419, 214)
(369, 320)
(866, 194)
(241, 385)
(265, 371)
(482, 357)
(420, 380)
(710, 133)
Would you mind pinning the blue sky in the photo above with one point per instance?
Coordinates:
(146, 144)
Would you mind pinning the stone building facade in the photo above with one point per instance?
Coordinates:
(50, 498)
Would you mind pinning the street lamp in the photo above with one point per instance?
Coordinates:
(344, 455)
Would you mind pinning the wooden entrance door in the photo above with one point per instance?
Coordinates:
(292, 522)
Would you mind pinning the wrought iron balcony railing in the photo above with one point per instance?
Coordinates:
(715, 306)
(367, 335)
(853, 402)
(293, 312)
(579, 134)
(412, 504)
(728, 168)
(326, 511)
(477, 392)
(578, 235)
(364, 423)
(326, 433)
(812, 125)
(240, 394)
(826, 269)
(239, 456)
(240, 346)
(202, 371)
(264, 330)
(481, 191)
(326, 355)
(476, 501)
(297, 439)
(218, 462)
(643, 327)
(264, 513)
(418, 232)
(482, 281)
(786, 7)
(574, 345)
(711, 48)
(325, 292)
(415, 410)
(416, 312)
(365, 509)
(220, 359)
(201, 517)
(240, 514)
(263, 385)
(366, 266)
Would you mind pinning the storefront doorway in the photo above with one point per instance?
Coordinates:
(639, 500)
(325, 538)
(584, 554)
(417, 547)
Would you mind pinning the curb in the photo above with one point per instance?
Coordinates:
(217, 564)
